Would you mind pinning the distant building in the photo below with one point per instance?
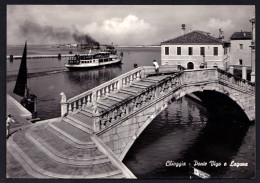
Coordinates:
(195, 50)
(240, 52)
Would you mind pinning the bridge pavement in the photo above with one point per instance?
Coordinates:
(64, 148)
(72, 147)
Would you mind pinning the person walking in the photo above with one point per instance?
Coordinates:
(8, 124)
(156, 66)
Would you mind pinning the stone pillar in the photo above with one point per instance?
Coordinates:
(231, 70)
(244, 72)
(64, 106)
(96, 124)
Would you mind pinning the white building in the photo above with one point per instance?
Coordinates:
(194, 50)
(240, 52)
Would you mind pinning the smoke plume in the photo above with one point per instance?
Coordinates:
(39, 34)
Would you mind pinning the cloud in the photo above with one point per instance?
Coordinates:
(128, 30)
(213, 25)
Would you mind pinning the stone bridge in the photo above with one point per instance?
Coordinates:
(122, 108)
(98, 127)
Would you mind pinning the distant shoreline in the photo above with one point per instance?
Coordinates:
(120, 46)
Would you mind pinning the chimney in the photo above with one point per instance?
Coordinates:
(221, 37)
(189, 30)
(183, 28)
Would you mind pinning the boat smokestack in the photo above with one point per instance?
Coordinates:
(183, 28)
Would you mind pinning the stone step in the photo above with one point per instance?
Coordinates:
(77, 136)
(139, 86)
(116, 98)
(134, 89)
(78, 124)
(100, 102)
(68, 140)
(40, 162)
(150, 80)
(65, 146)
(22, 166)
(88, 111)
(128, 92)
(145, 84)
(59, 157)
(102, 107)
(82, 117)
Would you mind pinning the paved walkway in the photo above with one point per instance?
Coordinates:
(63, 147)
(20, 115)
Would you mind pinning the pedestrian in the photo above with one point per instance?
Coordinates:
(8, 124)
(156, 66)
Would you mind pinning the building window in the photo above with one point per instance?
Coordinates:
(202, 50)
(190, 50)
(215, 50)
(166, 50)
(178, 50)
(240, 46)
(240, 62)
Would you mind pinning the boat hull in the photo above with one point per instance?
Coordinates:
(89, 66)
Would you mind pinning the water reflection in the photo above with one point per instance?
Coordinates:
(190, 134)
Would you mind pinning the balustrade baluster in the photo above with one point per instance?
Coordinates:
(134, 76)
(138, 75)
(107, 90)
(84, 102)
(79, 104)
(116, 86)
(124, 82)
(70, 108)
(131, 78)
(98, 94)
(75, 106)
(89, 99)
(102, 92)
(111, 88)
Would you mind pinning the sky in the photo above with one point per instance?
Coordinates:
(121, 24)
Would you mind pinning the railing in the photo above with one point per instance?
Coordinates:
(90, 97)
(235, 81)
(153, 93)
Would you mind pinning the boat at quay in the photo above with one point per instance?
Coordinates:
(101, 58)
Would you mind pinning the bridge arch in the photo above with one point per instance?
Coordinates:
(139, 112)
(179, 94)
(236, 99)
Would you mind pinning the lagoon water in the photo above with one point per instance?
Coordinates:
(183, 133)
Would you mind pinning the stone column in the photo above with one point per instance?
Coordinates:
(64, 106)
(231, 70)
(244, 72)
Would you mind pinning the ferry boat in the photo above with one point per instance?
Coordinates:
(101, 58)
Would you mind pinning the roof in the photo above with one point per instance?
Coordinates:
(194, 37)
(241, 35)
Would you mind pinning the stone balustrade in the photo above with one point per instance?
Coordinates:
(105, 118)
(164, 87)
(236, 82)
(89, 98)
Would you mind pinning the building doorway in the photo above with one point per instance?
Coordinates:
(190, 65)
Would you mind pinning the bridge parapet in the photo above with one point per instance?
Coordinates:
(226, 78)
(166, 87)
(90, 97)
(151, 94)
